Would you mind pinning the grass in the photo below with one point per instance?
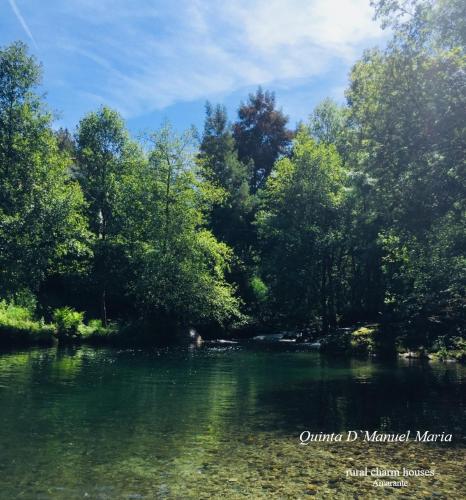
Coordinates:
(19, 328)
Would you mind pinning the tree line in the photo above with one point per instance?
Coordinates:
(357, 214)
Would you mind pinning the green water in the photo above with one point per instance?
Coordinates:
(219, 421)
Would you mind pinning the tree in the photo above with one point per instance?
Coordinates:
(424, 23)
(105, 159)
(261, 136)
(66, 142)
(300, 230)
(359, 269)
(231, 212)
(42, 225)
(179, 266)
(328, 124)
(407, 109)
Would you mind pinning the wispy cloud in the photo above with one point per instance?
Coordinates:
(147, 55)
(22, 21)
(199, 48)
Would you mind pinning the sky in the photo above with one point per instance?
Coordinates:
(154, 60)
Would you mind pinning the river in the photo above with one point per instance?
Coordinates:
(222, 421)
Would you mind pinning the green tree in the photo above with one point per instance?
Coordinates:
(407, 111)
(42, 224)
(231, 212)
(300, 229)
(425, 23)
(179, 265)
(328, 124)
(106, 158)
(359, 269)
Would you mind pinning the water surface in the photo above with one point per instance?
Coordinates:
(219, 421)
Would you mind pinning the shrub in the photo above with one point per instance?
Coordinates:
(68, 322)
(12, 313)
(338, 342)
(446, 348)
(97, 334)
(17, 327)
(363, 339)
(95, 327)
(259, 289)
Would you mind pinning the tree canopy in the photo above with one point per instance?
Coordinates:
(358, 215)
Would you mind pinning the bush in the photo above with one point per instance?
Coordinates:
(17, 327)
(338, 342)
(94, 333)
(363, 340)
(95, 328)
(259, 289)
(12, 313)
(68, 322)
(25, 299)
(445, 348)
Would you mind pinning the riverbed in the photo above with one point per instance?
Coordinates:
(223, 421)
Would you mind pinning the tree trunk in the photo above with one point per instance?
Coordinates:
(332, 317)
(323, 299)
(103, 309)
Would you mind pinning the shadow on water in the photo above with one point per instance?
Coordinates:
(392, 397)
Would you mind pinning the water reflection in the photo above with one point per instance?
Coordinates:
(84, 418)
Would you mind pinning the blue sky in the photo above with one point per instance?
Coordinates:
(154, 60)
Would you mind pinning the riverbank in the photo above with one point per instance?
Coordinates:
(362, 341)
(19, 328)
(394, 340)
(377, 340)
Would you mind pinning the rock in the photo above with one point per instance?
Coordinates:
(332, 483)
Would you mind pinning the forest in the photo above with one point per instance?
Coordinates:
(355, 216)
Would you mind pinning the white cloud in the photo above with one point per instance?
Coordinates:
(22, 21)
(328, 24)
(150, 55)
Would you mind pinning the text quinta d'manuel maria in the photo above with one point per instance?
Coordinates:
(307, 437)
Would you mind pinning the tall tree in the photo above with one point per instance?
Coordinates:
(105, 157)
(407, 109)
(230, 215)
(328, 124)
(301, 233)
(360, 289)
(42, 224)
(179, 266)
(261, 135)
(424, 23)
(66, 142)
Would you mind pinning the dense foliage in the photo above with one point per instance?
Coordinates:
(358, 215)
